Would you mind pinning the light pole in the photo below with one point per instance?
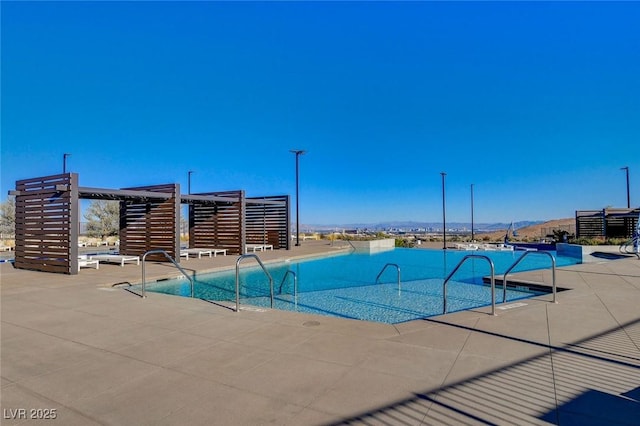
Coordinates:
(472, 213)
(626, 169)
(64, 162)
(444, 216)
(188, 209)
(189, 181)
(298, 153)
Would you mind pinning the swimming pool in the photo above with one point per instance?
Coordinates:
(345, 286)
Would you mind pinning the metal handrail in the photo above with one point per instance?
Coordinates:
(493, 281)
(353, 248)
(245, 256)
(144, 257)
(526, 253)
(295, 282)
(385, 267)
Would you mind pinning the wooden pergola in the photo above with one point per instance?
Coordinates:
(48, 212)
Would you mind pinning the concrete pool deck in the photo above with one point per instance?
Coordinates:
(76, 348)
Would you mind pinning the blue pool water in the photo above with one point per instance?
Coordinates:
(345, 286)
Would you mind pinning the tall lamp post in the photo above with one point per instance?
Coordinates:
(298, 153)
(626, 169)
(187, 214)
(444, 216)
(189, 181)
(471, 212)
(64, 162)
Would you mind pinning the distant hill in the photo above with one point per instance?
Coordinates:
(540, 229)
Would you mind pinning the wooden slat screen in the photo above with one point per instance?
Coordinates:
(46, 221)
(610, 223)
(589, 223)
(218, 224)
(620, 223)
(47, 214)
(151, 224)
(268, 223)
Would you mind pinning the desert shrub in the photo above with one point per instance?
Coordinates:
(616, 241)
(402, 242)
(583, 241)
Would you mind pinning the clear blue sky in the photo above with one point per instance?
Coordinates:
(536, 104)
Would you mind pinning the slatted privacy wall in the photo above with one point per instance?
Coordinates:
(609, 223)
(218, 224)
(46, 221)
(151, 223)
(267, 221)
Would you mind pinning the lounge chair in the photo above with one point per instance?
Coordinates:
(115, 258)
(85, 262)
(202, 252)
(196, 252)
(258, 247)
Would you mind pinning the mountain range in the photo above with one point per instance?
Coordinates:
(480, 227)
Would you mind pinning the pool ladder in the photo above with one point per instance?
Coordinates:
(526, 253)
(504, 277)
(172, 260)
(240, 259)
(385, 267)
(452, 273)
(295, 282)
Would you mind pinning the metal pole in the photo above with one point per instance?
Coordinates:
(298, 153)
(626, 169)
(297, 202)
(64, 162)
(189, 181)
(444, 215)
(472, 213)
